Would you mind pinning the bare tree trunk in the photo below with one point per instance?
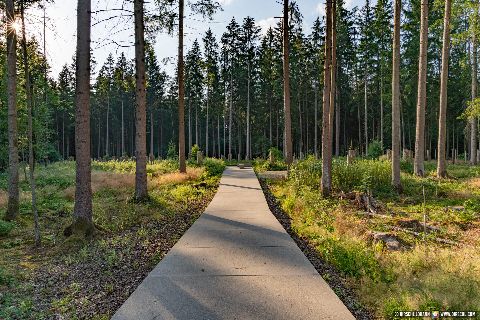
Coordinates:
(189, 124)
(218, 137)
(230, 111)
(381, 105)
(286, 87)
(333, 85)
(82, 213)
(123, 133)
(181, 92)
(107, 153)
(315, 147)
(31, 160)
(366, 116)
(396, 182)
(206, 123)
(141, 192)
(247, 156)
(442, 118)
(422, 93)
(13, 189)
(196, 124)
(337, 125)
(473, 122)
(151, 134)
(326, 143)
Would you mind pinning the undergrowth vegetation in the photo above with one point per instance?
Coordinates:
(424, 274)
(130, 239)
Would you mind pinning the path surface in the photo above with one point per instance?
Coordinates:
(235, 262)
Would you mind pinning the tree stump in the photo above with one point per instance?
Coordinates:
(199, 157)
(407, 155)
(351, 156)
(271, 157)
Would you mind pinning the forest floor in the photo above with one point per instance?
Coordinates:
(71, 278)
(371, 244)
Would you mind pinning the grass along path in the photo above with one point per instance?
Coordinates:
(77, 279)
(423, 274)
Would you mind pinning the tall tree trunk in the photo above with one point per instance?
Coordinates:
(123, 133)
(286, 87)
(107, 146)
(442, 118)
(333, 80)
(422, 93)
(473, 122)
(381, 104)
(206, 123)
(13, 189)
(247, 156)
(366, 116)
(326, 143)
(315, 146)
(181, 92)
(218, 137)
(196, 125)
(82, 213)
(31, 159)
(230, 116)
(189, 124)
(396, 183)
(141, 192)
(337, 125)
(151, 135)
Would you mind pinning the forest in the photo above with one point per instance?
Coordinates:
(363, 129)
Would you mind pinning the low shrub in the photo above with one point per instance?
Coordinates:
(375, 149)
(213, 167)
(5, 228)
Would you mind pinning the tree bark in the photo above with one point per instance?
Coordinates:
(13, 178)
(31, 159)
(141, 192)
(422, 93)
(315, 146)
(333, 79)
(473, 122)
(107, 153)
(181, 92)
(396, 182)
(442, 118)
(326, 143)
(82, 213)
(123, 133)
(247, 156)
(230, 116)
(286, 87)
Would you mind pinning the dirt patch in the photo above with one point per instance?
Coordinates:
(99, 280)
(327, 271)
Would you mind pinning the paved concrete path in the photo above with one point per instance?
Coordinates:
(235, 262)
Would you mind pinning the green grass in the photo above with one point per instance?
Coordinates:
(425, 275)
(124, 227)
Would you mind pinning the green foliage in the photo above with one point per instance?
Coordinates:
(276, 153)
(6, 279)
(472, 111)
(213, 167)
(193, 152)
(172, 152)
(5, 227)
(375, 149)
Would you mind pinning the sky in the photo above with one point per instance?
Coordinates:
(116, 35)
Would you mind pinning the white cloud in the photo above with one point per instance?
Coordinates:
(265, 24)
